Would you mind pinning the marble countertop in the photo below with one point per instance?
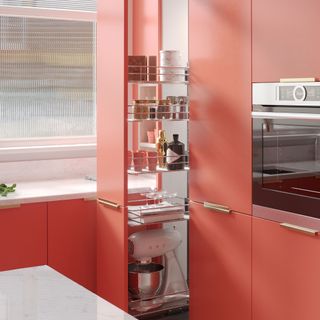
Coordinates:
(68, 189)
(41, 293)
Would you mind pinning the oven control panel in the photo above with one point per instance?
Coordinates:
(299, 93)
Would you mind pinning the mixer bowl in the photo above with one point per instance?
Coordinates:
(145, 280)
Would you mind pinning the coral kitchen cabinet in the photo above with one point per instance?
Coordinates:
(220, 265)
(220, 155)
(284, 39)
(72, 240)
(23, 236)
(286, 278)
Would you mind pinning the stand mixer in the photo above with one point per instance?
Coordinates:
(152, 284)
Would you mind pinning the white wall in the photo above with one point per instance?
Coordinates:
(175, 37)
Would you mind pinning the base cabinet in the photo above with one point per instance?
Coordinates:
(72, 240)
(220, 265)
(286, 276)
(23, 236)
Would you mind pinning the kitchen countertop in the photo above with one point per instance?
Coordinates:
(41, 293)
(68, 189)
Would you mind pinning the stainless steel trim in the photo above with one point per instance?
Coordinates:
(286, 217)
(268, 94)
(283, 115)
(108, 203)
(217, 207)
(293, 227)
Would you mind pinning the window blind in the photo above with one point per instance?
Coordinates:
(81, 5)
(47, 76)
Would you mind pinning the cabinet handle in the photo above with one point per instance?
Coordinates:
(217, 207)
(10, 206)
(110, 204)
(304, 230)
(90, 199)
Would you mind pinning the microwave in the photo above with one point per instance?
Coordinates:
(286, 152)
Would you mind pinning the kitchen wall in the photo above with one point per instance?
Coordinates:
(175, 37)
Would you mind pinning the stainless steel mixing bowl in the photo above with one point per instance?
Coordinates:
(145, 280)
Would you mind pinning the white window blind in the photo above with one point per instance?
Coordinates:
(81, 5)
(47, 78)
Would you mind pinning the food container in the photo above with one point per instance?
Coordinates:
(152, 158)
(151, 137)
(145, 280)
(137, 69)
(140, 109)
(139, 160)
(163, 111)
(170, 60)
(183, 106)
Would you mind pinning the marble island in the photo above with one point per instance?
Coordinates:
(41, 293)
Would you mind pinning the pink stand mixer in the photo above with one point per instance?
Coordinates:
(152, 285)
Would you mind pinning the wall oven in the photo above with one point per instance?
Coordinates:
(286, 152)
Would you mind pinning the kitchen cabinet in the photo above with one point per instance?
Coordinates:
(284, 39)
(72, 240)
(220, 265)
(220, 94)
(286, 282)
(23, 236)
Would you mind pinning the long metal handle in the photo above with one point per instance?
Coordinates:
(283, 115)
(10, 206)
(217, 207)
(110, 204)
(304, 230)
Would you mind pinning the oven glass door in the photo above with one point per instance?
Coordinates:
(286, 165)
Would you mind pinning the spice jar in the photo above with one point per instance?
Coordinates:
(163, 109)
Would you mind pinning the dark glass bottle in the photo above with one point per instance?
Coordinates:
(175, 154)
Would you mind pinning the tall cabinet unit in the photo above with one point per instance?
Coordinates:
(220, 159)
(132, 215)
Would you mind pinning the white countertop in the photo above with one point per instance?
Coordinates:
(68, 189)
(41, 293)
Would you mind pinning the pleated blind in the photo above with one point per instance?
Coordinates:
(47, 75)
(81, 5)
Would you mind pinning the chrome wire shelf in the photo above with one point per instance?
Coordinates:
(157, 170)
(158, 112)
(157, 207)
(158, 74)
(159, 303)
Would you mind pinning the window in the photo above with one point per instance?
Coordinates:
(47, 79)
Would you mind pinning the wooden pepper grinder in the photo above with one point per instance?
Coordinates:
(162, 146)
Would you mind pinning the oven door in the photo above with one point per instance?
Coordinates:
(286, 160)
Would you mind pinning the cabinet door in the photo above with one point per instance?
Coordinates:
(220, 127)
(220, 265)
(286, 281)
(285, 34)
(112, 151)
(72, 240)
(23, 236)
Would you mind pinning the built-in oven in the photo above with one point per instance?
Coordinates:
(286, 152)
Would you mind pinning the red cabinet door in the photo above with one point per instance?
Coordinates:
(285, 34)
(286, 280)
(23, 236)
(220, 265)
(72, 240)
(220, 93)
(112, 151)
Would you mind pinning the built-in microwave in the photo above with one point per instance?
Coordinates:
(286, 152)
